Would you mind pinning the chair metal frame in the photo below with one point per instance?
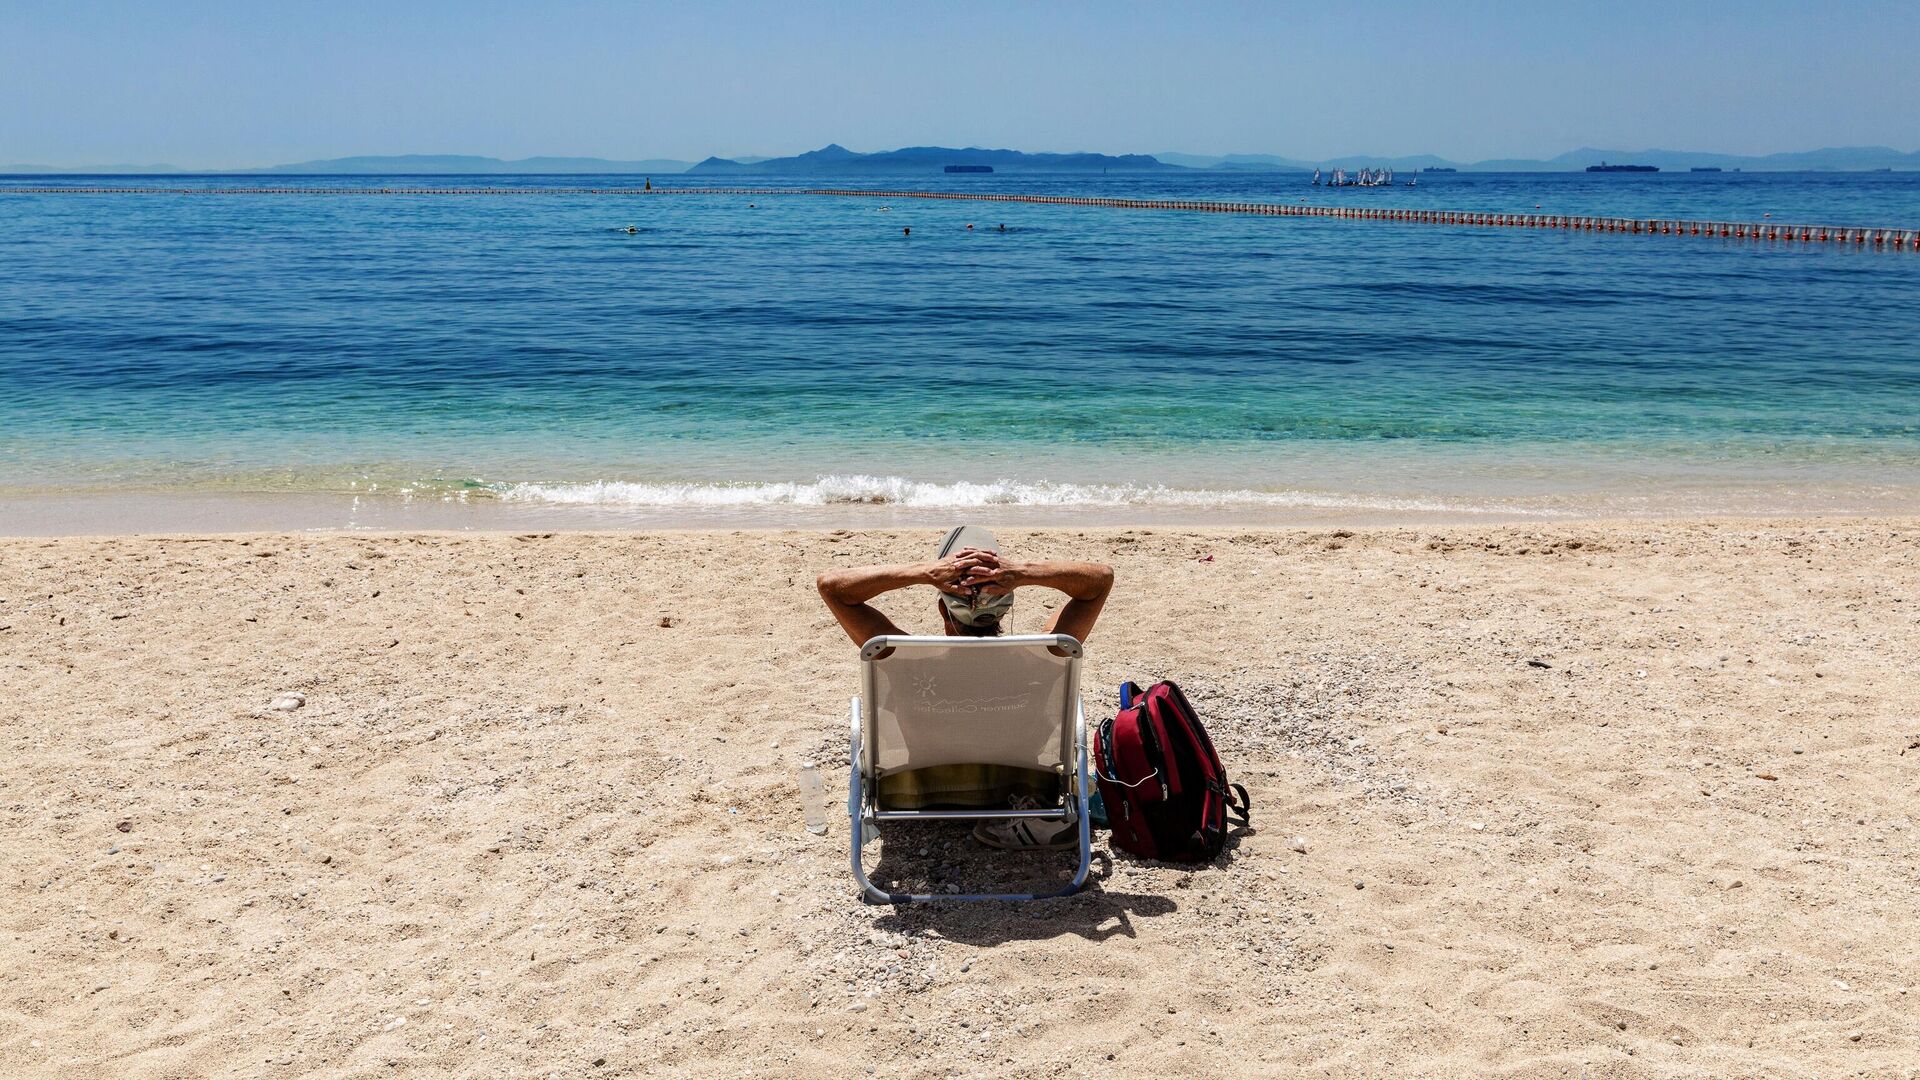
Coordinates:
(863, 809)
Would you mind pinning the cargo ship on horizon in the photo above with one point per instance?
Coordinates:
(1604, 167)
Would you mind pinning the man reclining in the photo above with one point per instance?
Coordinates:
(976, 585)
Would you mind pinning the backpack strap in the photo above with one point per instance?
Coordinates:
(1242, 810)
(1160, 736)
(1128, 691)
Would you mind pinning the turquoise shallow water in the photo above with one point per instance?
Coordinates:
(801, 352)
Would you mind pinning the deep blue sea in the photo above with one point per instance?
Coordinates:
(798, 358)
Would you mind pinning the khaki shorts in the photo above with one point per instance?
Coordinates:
(965, 787)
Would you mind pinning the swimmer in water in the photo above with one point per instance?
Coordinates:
(1003, 227)
(630, 230)
(907, 231)
(969, 226)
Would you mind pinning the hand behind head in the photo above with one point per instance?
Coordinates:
(951, 574)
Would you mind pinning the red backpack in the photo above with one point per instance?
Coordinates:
(1166, 793)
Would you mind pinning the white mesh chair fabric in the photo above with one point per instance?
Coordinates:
(932, 701)
(961, 704)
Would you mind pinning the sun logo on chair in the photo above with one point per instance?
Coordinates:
(926, 686)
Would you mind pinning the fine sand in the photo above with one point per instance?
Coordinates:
(1601, 800)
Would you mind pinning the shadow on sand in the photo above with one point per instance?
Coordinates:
(926, 857)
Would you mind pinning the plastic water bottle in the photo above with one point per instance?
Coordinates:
(813, 795)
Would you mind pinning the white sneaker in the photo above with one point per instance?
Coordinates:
(1026, 834)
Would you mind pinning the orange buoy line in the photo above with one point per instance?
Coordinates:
(1856, 236)
(1908, 239)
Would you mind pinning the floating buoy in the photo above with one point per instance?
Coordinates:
(1878, 238)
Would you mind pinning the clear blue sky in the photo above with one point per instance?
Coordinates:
(201, 83)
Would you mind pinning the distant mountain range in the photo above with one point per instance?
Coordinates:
(396, 165)
(463, 163)
(1239, 162)
(836, 160)
(89, 170)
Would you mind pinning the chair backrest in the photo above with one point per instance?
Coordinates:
(969, 701)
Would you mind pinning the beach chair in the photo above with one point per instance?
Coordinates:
(1002, 702)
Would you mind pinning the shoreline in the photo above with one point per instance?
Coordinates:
(199, 513)
(1529, 528)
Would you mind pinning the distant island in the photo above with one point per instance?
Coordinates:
(390, 165)
(834, 159)
(467, 164)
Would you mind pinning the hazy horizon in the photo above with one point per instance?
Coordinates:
(212, 84)
(80, 168)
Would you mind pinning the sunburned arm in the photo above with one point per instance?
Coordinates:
(1086, 586)
(847, 592)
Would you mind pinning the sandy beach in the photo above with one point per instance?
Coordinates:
(1580, 800)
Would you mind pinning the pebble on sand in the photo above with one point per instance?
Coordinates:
(1299, 844)
(287, 702)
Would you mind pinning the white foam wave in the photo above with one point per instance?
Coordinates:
(898, 491)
